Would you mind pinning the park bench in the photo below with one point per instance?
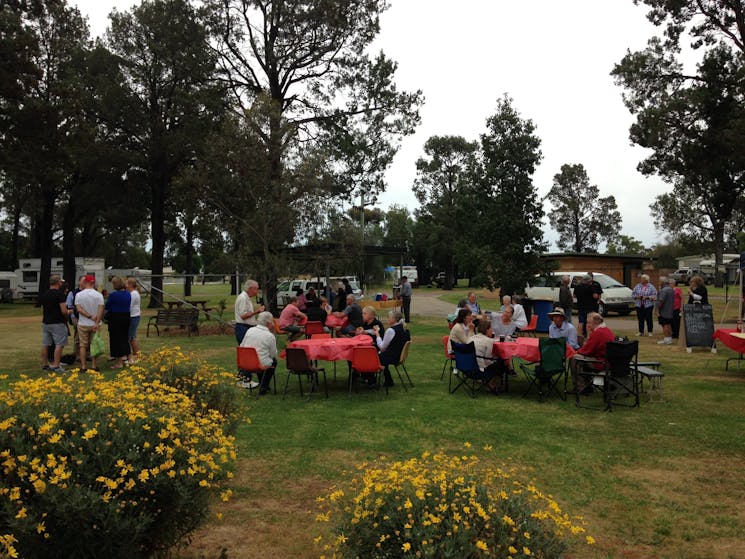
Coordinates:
(650, 370)
(183, 318)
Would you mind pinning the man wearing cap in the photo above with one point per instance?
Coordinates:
(561, 328)
(54, 324)
(89, 304)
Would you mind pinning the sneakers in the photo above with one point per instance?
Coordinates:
(650, 334)
(58, 369)
(638, 334)
(46, 368)
(250, 384)
(665, 341)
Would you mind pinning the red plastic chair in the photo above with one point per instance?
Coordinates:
(531, 327)
(313, 327)
(277, 329)
(248, 360)
(449, 357)
(365, 361)
(323, 336)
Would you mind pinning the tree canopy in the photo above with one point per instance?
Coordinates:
(694, 123)
(582, 218)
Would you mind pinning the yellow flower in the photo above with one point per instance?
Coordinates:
(482, 545)
(590, 540)
(406, 547)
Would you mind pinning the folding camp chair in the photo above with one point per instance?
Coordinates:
(467, 372)
(546, 374)
(619, 377)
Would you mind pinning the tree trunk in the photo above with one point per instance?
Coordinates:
(68, 245)
(718, 253)
(157, 231)
(46, 226)
(189, 258)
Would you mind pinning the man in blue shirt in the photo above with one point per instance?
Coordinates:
(561, 328)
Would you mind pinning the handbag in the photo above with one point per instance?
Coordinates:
(98, 347)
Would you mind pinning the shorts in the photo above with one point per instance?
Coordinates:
(84, 333)
(664, 321)
(134, 322)
(54, 334)
(294, 329)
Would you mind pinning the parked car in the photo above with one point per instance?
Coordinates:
(684, 275)
(616, 296)
(440, 279)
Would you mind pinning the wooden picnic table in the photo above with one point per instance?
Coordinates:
(196, 303)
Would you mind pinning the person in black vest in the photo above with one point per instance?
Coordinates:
(392, 342)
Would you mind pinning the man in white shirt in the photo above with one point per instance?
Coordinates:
(89, 304)
(561, 328)
(263, 341)
(518, 312)
(245, 313)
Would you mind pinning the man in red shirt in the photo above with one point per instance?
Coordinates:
(291, 319)
(598, 336)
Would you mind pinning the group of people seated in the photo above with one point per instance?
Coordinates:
(510, 318)
(471, 325)
(304, 307)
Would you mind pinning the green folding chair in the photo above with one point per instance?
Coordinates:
(545, 375)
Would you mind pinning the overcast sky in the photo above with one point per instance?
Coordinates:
(553, 58)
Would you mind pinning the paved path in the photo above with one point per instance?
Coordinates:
(425, 302)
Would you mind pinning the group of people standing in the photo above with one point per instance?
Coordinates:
(84, 308)
(667, 302)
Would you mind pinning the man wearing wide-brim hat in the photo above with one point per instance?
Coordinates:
(561, 328)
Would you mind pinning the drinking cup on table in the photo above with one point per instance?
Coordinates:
(501, 338)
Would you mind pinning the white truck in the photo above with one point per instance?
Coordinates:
(409, 271)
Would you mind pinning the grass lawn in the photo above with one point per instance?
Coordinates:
(664, 480)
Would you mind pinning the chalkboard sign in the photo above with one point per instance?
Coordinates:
(699, 325)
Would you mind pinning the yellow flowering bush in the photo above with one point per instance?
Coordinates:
(208, 387)
(121, 468)
(440, 505)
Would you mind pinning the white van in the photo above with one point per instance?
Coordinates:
(616, 297)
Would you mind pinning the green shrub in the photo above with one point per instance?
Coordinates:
(121, 468)
(443, 506)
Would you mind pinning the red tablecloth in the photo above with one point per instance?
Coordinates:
(336, 322)
(332, 349)
(733, 342)
(524, 348)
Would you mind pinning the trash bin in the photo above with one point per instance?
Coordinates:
(542, 307)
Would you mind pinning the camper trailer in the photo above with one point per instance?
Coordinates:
(9, 287)
(29, 269)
